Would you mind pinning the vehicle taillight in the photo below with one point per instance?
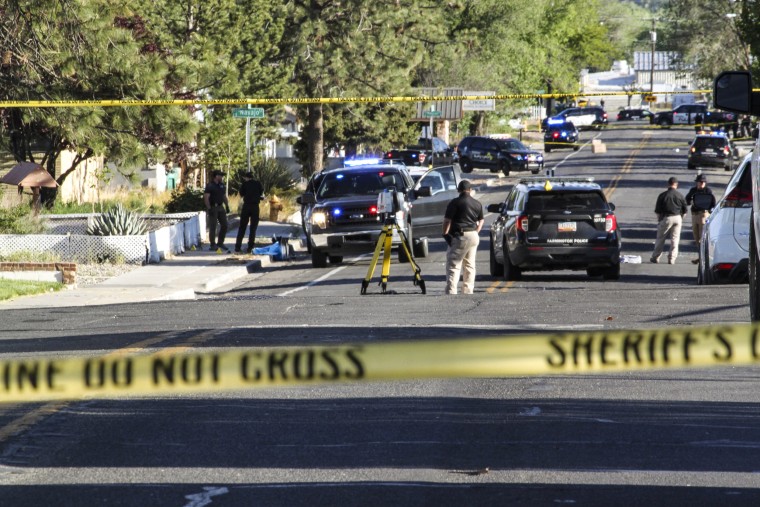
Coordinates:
(522, 223)
(610, 223)
(737, 198)
(555, 135)
(723, 266)
(693, 149)
(422, 158)
(389, 155)
(604, 116)
(373, 210)
(726, 150)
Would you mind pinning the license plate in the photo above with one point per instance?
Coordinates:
(709, 154)
(566, 227)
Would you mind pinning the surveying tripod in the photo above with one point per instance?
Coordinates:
(384, 244)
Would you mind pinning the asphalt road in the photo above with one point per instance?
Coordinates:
(658, 437)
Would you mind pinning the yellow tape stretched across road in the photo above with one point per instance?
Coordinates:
(204, 370)
(303, 100)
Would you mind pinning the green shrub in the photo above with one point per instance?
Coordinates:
(117, 221)
(20, 220)
(272, 175)
(185, 200)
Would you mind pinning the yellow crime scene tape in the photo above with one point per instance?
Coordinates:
(304, 100)
(204, 370)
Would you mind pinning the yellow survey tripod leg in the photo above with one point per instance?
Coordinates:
(384, 243)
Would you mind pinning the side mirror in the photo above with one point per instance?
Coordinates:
(733, 92)
(611, 205)
(423, 192)
(307, 198)
(495, 208)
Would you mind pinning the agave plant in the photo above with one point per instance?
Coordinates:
(117, 221)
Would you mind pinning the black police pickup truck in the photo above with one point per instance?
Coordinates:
(427, 152)
(555, 223)
(341, 216)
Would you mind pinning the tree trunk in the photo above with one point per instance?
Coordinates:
(315, 138)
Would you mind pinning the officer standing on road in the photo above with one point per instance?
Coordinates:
(670, 209)
(252, 193)
(702, 202)
(217, 207)
(461, 227)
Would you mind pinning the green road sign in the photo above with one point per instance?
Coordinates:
(254, 112)
(431, 114)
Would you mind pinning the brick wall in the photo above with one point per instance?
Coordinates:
(68, 269)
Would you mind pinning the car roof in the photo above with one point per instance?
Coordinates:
(366, 168)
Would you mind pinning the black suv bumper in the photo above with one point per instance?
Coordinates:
(537, 258)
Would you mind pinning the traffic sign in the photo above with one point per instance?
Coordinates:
(254, 112)
(431, 114)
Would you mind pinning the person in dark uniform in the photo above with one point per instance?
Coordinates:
(702, 201)
(670, 209)
(252, 193)
(217, 207)
(461, 227)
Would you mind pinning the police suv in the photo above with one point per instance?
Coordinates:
(552, 224)
(341, 216)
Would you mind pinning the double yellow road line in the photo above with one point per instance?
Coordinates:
(627, 166)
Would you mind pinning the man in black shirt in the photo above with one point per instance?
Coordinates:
(217, 207)
(670, 209)
(702, 203)
(252, 193)
(461, 226)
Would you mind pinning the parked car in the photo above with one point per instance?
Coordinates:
(421, 154)
(592, 117)
(497, 155)
(724, 248)
(634, 115)
(711, 150)
(555, 223)
(561, 135)
(341, 216)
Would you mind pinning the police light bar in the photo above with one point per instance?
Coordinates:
(555, 121)
(360, 161)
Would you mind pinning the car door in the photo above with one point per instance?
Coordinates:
(428, 211)
(499, 226)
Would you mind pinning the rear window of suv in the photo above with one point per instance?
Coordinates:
(710, 142)
(559, 201)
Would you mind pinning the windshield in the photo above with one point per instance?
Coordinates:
(511, 144)
(558, 201)
(359, 183)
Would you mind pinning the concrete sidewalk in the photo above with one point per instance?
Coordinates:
(177, 278)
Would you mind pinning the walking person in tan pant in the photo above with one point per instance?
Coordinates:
(702, 201)
(670, 209)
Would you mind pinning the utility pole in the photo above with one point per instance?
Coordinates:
(651, 70)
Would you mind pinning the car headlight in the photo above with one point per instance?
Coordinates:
(319, 218)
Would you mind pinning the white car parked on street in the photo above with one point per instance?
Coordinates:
(725, 241)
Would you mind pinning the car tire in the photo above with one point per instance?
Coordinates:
(318, 258)
(691, 166)
(421, 248)
(594, 272)
(612, 272)
(664, 123)
(728, 168)
(504, 168)
(509, 271)
(547, 149)
(465, 165)
(335, 259)
(753, 273)
(536, 171)
(494, 268)
(576, 147)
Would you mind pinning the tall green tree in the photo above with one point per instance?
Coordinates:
(85, 49)
(354, 48)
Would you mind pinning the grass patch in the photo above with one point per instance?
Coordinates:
(10, 289)
(30, 256)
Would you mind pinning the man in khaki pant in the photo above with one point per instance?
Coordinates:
(702, 202)
(670, 209)
(461, 227)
